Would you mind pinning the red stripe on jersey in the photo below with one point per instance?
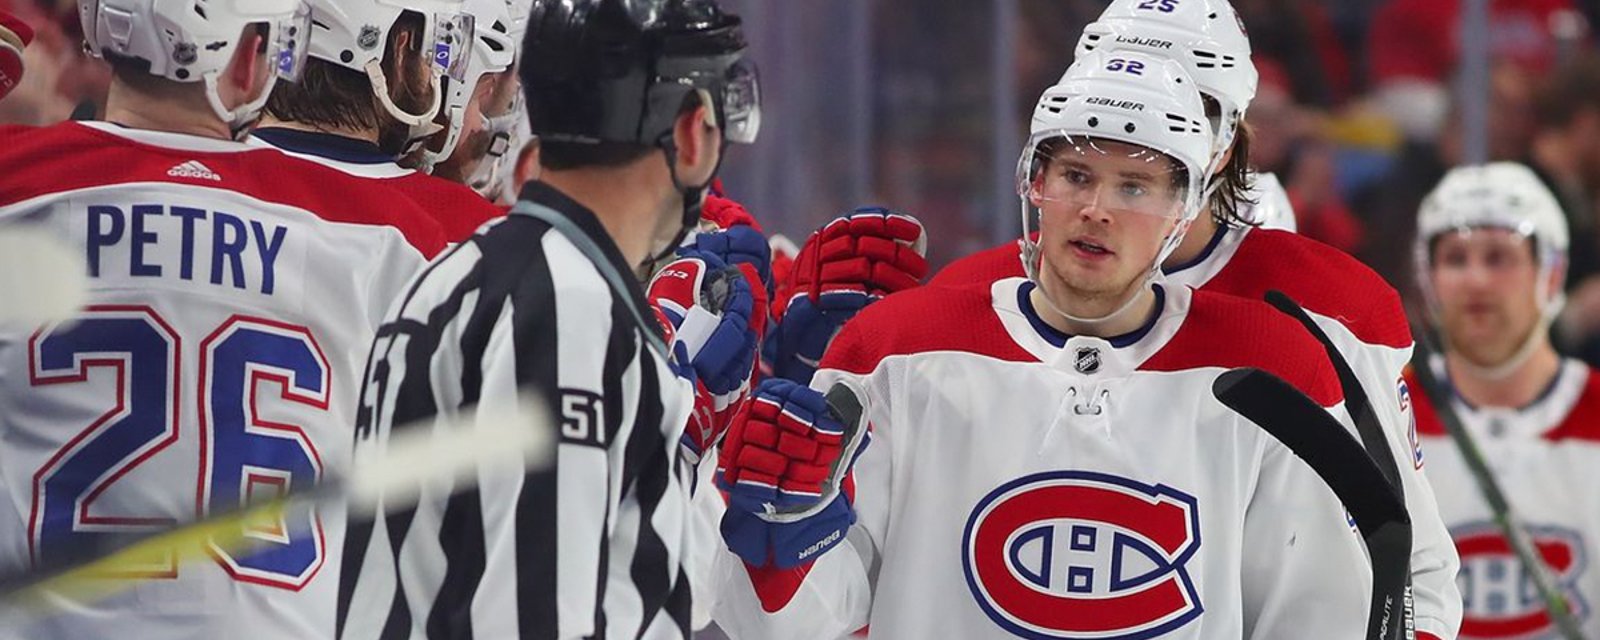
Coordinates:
(1324, 280)
(69, 157)
(1583, 422)
(458, 209)
(1226, 331)
(1422, 410)
(929, 318)
(989, 265)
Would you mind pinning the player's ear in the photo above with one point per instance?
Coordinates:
(698, 142)
(528, 168)
(249, 71)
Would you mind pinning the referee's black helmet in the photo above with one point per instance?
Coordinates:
(619, 71)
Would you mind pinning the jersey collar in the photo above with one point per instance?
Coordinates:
(543, 194)
(1216, 255)
(323, 145)
(1086, 355)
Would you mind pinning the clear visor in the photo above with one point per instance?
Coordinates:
(741, 103)
(292, 38)
(453, 38)
(1118, 177)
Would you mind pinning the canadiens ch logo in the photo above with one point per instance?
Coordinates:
(1411, 431)
(1070, 555)
(1499, 597)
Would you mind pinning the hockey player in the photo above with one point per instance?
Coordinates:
(1354, 306)
(1492, 253)
(234, 293)
(481, 104)
(634, 103)
(1046, 458)
(372, 89)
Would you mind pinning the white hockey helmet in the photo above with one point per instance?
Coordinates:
(355, 33)
(1272, 208)
(1504, 195)
(194, 40)
(1135, 98)
(494, 50)
(1206, 36)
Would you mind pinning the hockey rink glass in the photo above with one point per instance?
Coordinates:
(292, 38)
(1114, 176)
(453, 38)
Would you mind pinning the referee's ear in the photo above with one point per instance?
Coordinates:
(697, 142)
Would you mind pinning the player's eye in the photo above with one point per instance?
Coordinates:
(1077, 176)
(1134, 189)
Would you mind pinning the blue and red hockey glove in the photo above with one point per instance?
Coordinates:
(851, 262)
(709, 313)
(786, 468)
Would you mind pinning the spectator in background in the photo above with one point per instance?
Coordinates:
(1415, 47)
(1300, 36)
(1566, 154)
(1388, 207)
(1289, 141)
(61, 80)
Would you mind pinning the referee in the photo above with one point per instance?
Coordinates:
(633, 104)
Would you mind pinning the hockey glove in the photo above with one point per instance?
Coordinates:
(706, 308)
(853, 261)
(14, 37)
(786, 467)
(744, 247)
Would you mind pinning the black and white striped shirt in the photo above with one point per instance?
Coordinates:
(594, 546)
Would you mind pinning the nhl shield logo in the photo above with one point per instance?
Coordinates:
(369, 37)
(1078, 555)
(1088, 360)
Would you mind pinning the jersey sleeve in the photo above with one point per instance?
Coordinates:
(833, 597)
(1304, 572)
(1434, 560)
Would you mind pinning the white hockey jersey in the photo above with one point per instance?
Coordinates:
(235, 292)
(1362, 315)
(1021, 482)
(1546, 457)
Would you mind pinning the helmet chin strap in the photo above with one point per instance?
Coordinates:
(694, 199)
(420, 126)
(1509, 366)
(241, 119)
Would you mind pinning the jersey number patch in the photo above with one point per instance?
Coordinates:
(243, 457)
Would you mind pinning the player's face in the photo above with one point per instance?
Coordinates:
(1485, 281)
(1104, 212)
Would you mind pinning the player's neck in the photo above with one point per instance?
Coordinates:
(129, 108)
(628, 214)
(1194, 242)
(366, 135)
(1116, 317)
(1517, 390)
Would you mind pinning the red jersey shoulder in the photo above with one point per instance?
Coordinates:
(983, 267)
(1322, 279)
(458, 209)
(928, 318)
(1231, 332)
(71, 157)
(1583, 422)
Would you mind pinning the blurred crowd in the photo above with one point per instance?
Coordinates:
(1357, 113)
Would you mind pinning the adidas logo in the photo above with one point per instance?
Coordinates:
(193, 169)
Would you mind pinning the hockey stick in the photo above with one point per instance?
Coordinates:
(1316, 437)
(433, 452)
(42, 280)
(1510, 525)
